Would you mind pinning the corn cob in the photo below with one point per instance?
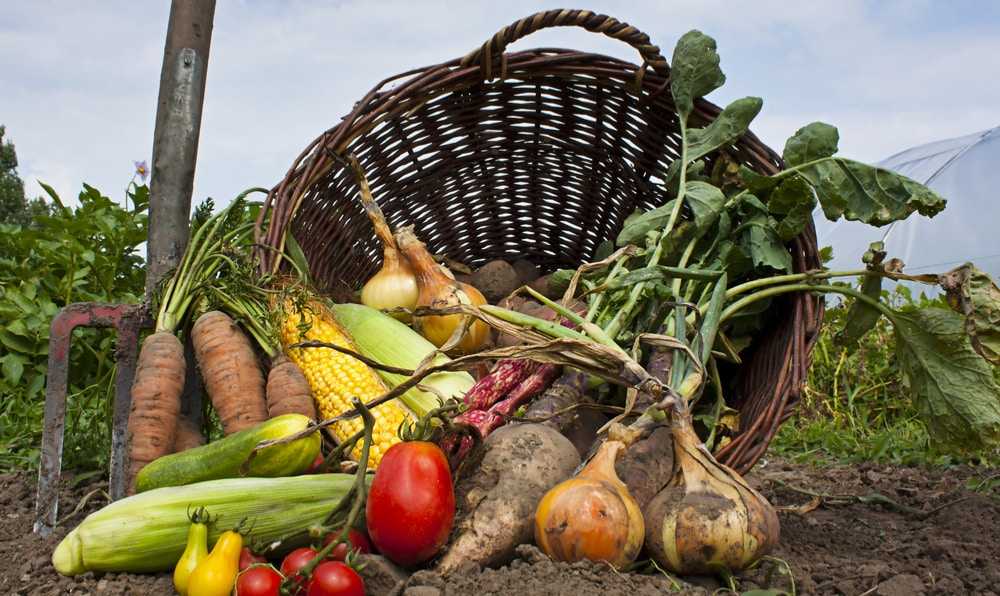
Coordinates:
(336, 377)
(147, 532)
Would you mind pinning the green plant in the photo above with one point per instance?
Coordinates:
(75, 254)
(855, 405)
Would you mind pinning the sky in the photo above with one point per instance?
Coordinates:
(78, 79)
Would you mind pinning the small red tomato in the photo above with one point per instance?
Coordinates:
(295, 560)
(248, 558)
(259, 580)
(411, 504)
(359, 542)
(333, 578)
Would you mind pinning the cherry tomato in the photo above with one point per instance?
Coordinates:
(359, 542)
(295, 560)
(333, 578)
(248, 558)
(259, 580)
(411, 504)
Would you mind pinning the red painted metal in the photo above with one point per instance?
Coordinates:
(128, 320)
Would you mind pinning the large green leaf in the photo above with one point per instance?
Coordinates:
(705, 201)
(694, 71)
(760, 241)
(861, 317)
(792, 204)
(812, 141)
(865, 193)
(13, 367)
(954, 389)
(973, 293)
(726, 129)
(639, 224)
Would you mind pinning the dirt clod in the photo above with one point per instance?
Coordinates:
(496, 280)
(904, 584)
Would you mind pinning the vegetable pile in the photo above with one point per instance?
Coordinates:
(597, 400)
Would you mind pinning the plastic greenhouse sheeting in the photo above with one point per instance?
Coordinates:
(966, 172)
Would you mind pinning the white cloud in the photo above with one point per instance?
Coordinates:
(80, 79)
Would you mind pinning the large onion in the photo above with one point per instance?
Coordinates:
(437, 290)
(591, 516)
(708, 518)
(395, 285)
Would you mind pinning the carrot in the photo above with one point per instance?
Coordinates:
(288, 390)
(188, 435)
(230, 371)
(159, 378)
(156, 400)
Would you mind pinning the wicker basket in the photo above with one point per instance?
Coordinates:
(539, 154)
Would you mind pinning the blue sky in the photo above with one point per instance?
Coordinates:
(79, 79)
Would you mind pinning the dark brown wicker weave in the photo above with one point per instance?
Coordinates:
(539, 154)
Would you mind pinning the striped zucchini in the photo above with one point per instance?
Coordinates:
(224, 458)
(147, 532)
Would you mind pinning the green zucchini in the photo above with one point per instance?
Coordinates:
(225, 457)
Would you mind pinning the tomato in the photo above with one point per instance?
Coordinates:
(359, 542)
(333, 578)
(259, 580)
(411, 504)
(248, 558)
(295, 560)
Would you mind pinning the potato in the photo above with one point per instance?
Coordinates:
(497, 500)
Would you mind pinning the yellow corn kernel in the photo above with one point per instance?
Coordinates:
(335, 378)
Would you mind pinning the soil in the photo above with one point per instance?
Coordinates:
(926, 532)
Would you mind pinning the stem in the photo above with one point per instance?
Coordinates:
(743, 303)
(595, 332)
(547, 327)
(616, 324)
(596, 304)
(358, 491)
(792, 278)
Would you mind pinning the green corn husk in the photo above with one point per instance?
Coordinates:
(388, 341)
(147, 532)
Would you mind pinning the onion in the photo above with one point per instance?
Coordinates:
(395, 285)
(707, 518)
(591, 516)
(438, 290)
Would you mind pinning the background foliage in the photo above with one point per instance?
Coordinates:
(855, 405)
(50, 257)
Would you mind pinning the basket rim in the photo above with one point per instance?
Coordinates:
(417, 86)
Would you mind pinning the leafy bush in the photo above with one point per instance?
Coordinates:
(86, 253)
(855, 405)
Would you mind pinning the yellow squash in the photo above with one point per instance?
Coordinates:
(195, 551)
(216, 574)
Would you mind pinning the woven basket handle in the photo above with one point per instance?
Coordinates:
(490, 55)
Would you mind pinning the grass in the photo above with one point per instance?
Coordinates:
(855, 406)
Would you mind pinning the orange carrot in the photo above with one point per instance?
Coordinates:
(188, 435)
(230, 371)
(288, 390)
(156, 400)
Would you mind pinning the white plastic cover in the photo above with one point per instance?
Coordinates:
(966, 172)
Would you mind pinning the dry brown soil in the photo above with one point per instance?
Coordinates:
(942, 538)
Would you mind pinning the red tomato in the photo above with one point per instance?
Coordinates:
(248, 558)
(295, 560)
(333, 578)
(260, 580)
(411, 504)
(358, 540)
